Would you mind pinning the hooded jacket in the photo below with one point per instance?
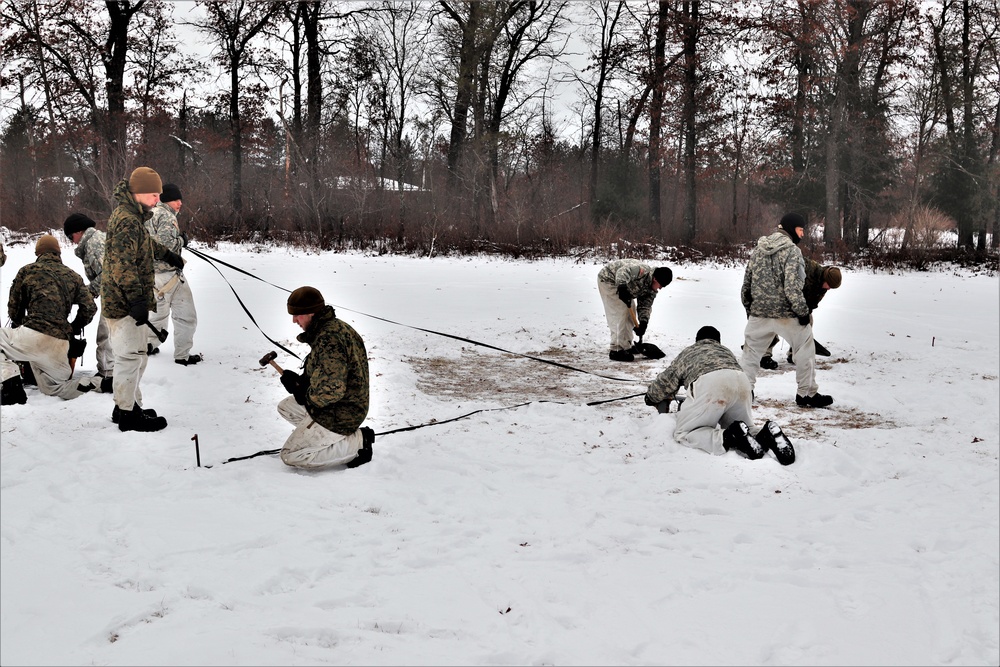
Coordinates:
(774, 278)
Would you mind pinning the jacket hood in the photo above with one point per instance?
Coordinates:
(776, 242)
(123, 197)
(317, 323)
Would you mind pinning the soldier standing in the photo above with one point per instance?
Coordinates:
(329, 400)
(127, 293)
(89, 240)
(173, 294)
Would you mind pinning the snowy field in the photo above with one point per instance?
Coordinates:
(553, 533)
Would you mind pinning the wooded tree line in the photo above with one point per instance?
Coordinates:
(415, 125)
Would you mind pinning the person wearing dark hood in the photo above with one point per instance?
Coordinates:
(127, 293)
(717, 415)
(174, 299)
(89, 240)
(329, 399)
(775, 305)
(41, 299)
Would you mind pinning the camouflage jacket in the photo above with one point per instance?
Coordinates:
(43, 294)
(127, 273)
(704, 356)
(337, 368)
(91, 253)
(3, 255)
(813, 289)
(163, 228)
(637, 277)
(774, 278)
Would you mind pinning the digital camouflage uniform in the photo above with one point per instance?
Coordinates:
(328, 425)
(638, 279)
(127, 277)
(772, 296)
(718, 394)
(90, 250)
(176, 302)
(41, 299)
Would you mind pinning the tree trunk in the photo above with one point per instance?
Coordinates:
(656, 113)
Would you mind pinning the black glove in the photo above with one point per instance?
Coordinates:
(641, 329)
(650, 402)
(803, 320)
(173, 259)
(624, 295)
(139, 312)
(184, 239)
(76, 326)
(296, 385)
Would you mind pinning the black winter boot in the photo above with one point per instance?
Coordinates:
(768, 362)
(621, 355)
(116, 414)
(190, 361)
(12, 392)
(365, 453)
(140, 420)
(737, 438)
(817, 400)
(772, 437)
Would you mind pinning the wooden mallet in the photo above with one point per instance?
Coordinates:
(269, 359)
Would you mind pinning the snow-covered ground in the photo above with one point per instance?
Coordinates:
(553, 533)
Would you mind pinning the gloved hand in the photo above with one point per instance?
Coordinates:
(650, 402)
(296, 385)
(624, 295)
(641, 329)
(173, 259)
(803, 320)
(184, 239)
(76, 326)
(139, 312)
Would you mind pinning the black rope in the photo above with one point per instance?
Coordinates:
(410, 326)
(402, 429)
(245, 309)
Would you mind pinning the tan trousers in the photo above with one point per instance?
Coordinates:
(312, 446)
(129, 344)
(619, 320)
(47, 356)
(105, 356)
(714, 401)
(759, 333)
(178, 305)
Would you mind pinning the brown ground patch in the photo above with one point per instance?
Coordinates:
(494, 375)
(813, 420)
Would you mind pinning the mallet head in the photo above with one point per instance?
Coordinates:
(268, 358)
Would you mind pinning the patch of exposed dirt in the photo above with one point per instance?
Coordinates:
(811, 420)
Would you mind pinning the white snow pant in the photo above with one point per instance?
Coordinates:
(714, 401)
(129, 344)
(178, 304)
(105, 356)
(312, 446)
(759, 333)
(47, 356)
(619, 320)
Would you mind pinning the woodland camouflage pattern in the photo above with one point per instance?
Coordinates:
(705, 356)
(127, 273)
(637, 277)
(163, 228)
(91, 252)
(337, 368)
(774, 278)
(43, 294)
(813, 290)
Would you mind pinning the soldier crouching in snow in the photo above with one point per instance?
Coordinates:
(329, 400)
(41, 298)
(718, 395)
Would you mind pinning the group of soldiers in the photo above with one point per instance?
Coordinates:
(780, 291)
(136, 270)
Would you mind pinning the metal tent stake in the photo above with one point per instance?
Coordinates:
(197, 451)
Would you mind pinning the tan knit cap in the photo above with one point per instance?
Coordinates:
(832, 277)
(144, 181)
(47, 243)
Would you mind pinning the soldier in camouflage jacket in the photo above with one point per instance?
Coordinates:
(772, 296)
(127, 290)
(81, 230)
(41, 298)
(329, 400)
(619, 282)
(173, 292)
(717, 414)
